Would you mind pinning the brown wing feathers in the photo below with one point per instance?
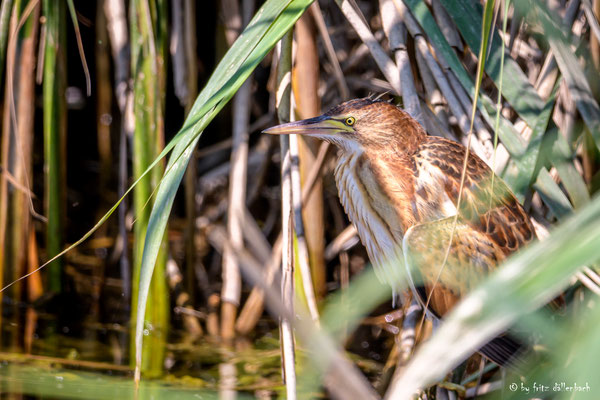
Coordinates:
(488, 206)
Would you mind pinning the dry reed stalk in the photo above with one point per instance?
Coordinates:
(433, 125)
(396, 33)
(116, 25)
(434, 96)
(480, 129)
(232, 19)
(17, 207)
(103, 127)
(301, 253)
(254, 305)
(191, 177)
(446, 25)
(305, 81)
(232, 282)
(103, 100)
(343, 241)
(330, 51)
(591, 13)
(5, 13)
(595, 40)
(483, 139)
(231, 291)
(359, 53)
(285, 113)
(182, 299)
(255, 239)
(35, 287)
(549, 71)
(185, 79)
(385, 64)
(212, 320)
(35, 290)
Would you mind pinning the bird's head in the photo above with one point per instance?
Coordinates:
(360, 124)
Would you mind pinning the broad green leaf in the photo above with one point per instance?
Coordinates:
(269, 24)
(524, 176)
(549, 191)
(562, 157)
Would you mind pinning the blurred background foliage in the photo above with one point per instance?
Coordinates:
(96, 93)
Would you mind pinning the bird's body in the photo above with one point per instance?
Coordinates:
(385, 197)
(400, 189)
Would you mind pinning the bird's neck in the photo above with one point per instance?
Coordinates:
(377, 212)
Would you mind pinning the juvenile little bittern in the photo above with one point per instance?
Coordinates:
(400, 188)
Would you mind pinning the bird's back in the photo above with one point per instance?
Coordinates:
(487, 204)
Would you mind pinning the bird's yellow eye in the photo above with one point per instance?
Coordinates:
(350, 121)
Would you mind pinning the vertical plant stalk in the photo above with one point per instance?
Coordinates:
(104, 98)
(104, 119)
(5, 12)
(254, 305)
(35, 289)
(148, 37)
(284, 111)
(182, 302)
(55, 111)
(17, 144)
(191, 61)
(183, 54)
(232, 281)
(305, 81)
(396, 33)
(433, 94)
(231, 290)
(116, 25)
(23, 147)
(4, 148)
(300, 249)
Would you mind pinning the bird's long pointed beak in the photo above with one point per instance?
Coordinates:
(322, 125)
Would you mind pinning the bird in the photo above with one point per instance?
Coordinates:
(400, 187)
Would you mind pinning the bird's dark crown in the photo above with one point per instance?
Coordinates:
(363, 105)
